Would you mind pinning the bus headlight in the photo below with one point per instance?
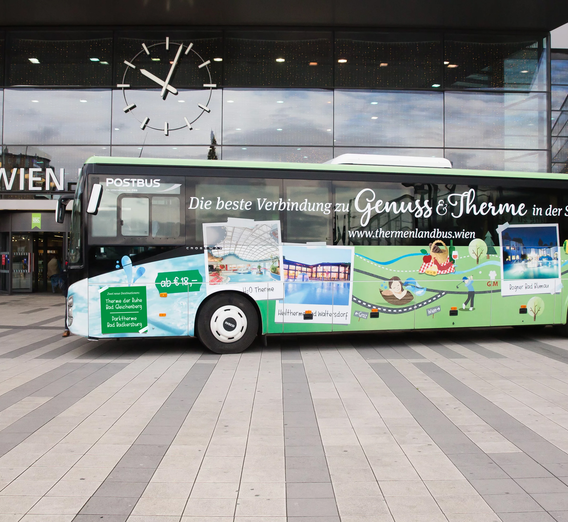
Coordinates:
(70, 310)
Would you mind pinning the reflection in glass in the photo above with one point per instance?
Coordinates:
(495, 62)
(1, 115)
(277, 117)
(70, 158)
(313, 222)
(388, 118)
(278, 59)
(126, 127)
(135, 216)
(511, 160)
(510, 120)
(290, 154)
(163, 151)
(65, 58)
(2, 66)
(386, 151)
(559, 67)
(221, 191)
(388, 60)
(56, 117)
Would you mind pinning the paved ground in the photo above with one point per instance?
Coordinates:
(437, 426)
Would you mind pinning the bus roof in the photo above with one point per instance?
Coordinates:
(321, 167)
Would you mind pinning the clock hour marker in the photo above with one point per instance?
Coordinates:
(145, 49)
(144, 123)
(166, 129)
(130, 64)
(210, 85)
(188, 124)
(189, 48)
(123, 85)
(205, 63)
(167, 43)
(129, 108)
(204, 107)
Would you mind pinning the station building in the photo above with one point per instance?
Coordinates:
(305, 81)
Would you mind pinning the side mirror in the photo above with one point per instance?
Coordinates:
(60, 209)
(95, 199)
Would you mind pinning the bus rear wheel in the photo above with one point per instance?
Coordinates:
(227, 323)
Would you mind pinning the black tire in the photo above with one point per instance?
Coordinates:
(227, 323)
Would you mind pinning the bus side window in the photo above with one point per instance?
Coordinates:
(166, 216)
(135, 216)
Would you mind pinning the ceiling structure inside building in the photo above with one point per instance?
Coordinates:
(435, 14)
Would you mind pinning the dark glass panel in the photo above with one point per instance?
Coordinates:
(69, 58)
(388, 60)
(277, 117)
(2, 66)
(155, 51)
(278, 59)
(495, 62)
(388, 118)
(496, 120)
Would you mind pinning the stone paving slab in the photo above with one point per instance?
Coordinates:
(468, 426)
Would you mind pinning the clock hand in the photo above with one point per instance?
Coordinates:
(161, 83)
(172, 68)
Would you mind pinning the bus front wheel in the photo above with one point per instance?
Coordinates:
(227, 323)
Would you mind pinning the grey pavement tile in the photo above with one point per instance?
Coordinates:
(121, 489)
(532, 516)
(519, 465)
(512, 503)
(156, 439)
(543, 485)
(139, 461)
(309, 490)
(307, 475)
(313, 519)
(122, 474)
(477, 467)
(305, 462)
(100, 518)
(31, 347)
(311, 507)
(148, 449)
(305, 451)
(109, 506)
(301, 436)
(552, 501)
(560, 516)
(301, 419)
(498, 486)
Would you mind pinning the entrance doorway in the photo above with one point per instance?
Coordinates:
(31, 255)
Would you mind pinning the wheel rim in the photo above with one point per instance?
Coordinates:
(228, 324)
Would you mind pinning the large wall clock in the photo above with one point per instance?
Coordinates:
(158, 65)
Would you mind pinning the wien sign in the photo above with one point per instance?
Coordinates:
(33, 178)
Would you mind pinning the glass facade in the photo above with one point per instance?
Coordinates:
(559, 106)
(480, 100)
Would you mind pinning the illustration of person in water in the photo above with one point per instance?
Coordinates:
(396, 294)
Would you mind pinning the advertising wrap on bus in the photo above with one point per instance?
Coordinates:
(374, 256)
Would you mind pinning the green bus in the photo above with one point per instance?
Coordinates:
(228, 251)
